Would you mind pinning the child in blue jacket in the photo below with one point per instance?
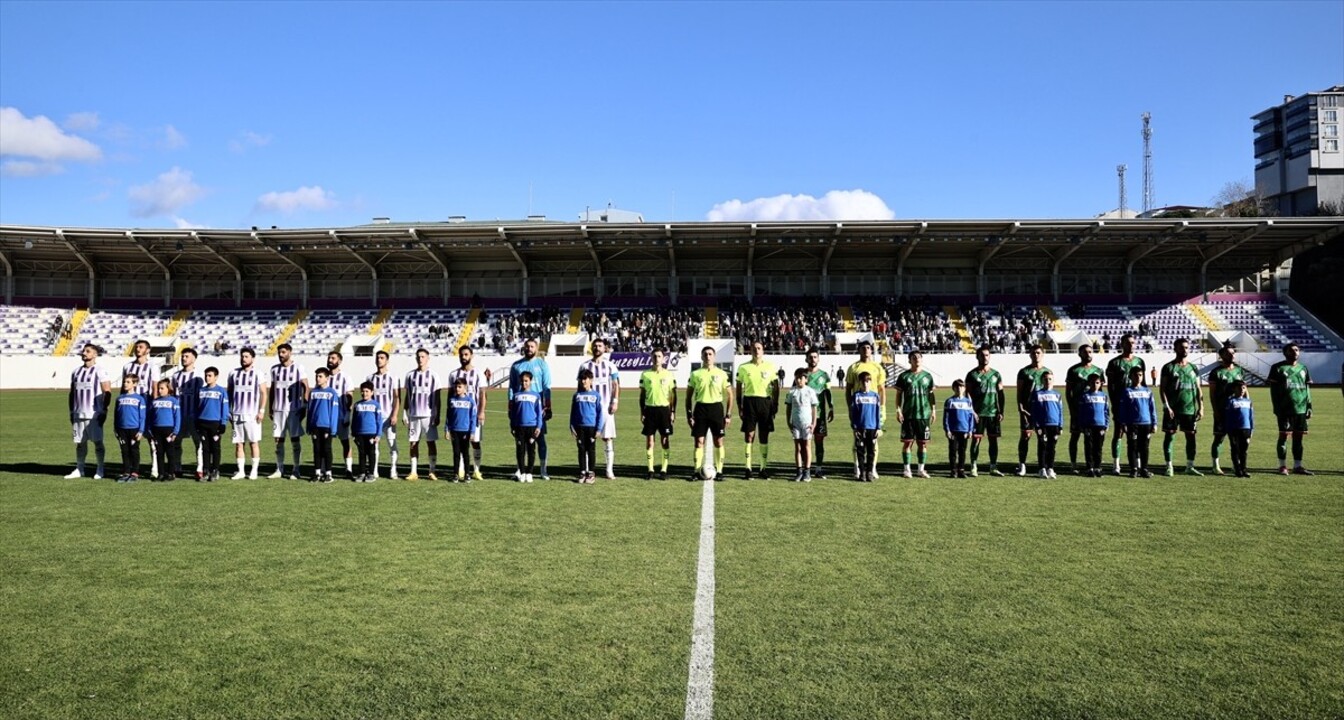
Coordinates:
(958, 423)
(1138, 415)
(366, 421)
(526, 413)
(587, 417)
(324, 420)
(131, 418)
(1239, 422)
(165, 424)
(212, 414)
(865, 418)
(1093, 415)
(1047, 416)
(459, 425)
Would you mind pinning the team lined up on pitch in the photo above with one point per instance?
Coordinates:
(193, 404)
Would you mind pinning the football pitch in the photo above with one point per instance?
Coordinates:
(988, 597)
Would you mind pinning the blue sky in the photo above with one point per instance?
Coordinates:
(318, 114)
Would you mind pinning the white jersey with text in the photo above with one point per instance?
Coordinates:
(147, 375)
(87, 382)
(244, 393)
(287, 387)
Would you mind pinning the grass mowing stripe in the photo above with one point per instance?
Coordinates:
(700, 680)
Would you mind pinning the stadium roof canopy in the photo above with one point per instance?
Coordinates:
(1211, 247)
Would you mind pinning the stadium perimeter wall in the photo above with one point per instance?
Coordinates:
(46, 372)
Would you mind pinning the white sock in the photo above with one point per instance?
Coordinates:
(349, 464)
(256, 463)
(611, 457)
(414, 460)
(394, 461)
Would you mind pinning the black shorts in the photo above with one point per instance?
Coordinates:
(988, 425)
(757, 415)
(1025, 423)
(917, 430)
(1178, 423)
(1296, 423)
(657, 421)
(707, 419)
(820, 430)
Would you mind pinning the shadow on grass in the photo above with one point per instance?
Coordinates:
(32, 468)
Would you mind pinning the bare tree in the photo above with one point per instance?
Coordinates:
(1239, 198)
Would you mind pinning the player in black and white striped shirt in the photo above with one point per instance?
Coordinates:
(90, 393)
(387, 392)
(247, 403)
(476, 384)
(147, 373)
(340, 383)
(422, 412)
(288, 391)
(187, 383)
(607, 383)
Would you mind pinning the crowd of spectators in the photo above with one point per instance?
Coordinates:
(1010, 329)
(788, 325)
(905, 324)
(511, 330)
(646, 329)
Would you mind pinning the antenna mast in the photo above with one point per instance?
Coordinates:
(1147, 163)
(1120, 170)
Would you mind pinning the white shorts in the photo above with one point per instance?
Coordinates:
(245, 430)
(800, 433)
(476, 434)
(286, 423)
(609, 428)
(421, 427)
(389, 431)
(86, 431)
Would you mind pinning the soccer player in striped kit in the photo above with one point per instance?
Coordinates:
(536, 365)
(90, 394)
(476, 384)
(247, 398)
(187, 383)
(607, 384)
(340, 382)
(146, 371)
(387, 393)
(288, 390)
(422, 412)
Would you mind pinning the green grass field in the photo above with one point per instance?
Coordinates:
(990, 597)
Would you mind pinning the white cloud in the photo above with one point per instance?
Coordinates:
(28, 168)
(305, 198)
(184, 224)
(82, 121)
(38, 137)
(172, 138)
(834, 205)
(169, 192)
(247, 140)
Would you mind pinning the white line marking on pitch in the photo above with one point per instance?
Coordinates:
(700, 681)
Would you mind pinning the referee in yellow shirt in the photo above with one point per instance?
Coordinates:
(709, 409)
(657, 409)
(758, 396)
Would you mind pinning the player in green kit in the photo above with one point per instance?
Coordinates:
(1290, 392)
(1222, 381)
(820, 382)
(914, 411)
(1078, 382)
(1182, 405)
(985, 386)
(657, 409)
(1029, 380)
(1117, 379)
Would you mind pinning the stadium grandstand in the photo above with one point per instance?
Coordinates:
(939, 286)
